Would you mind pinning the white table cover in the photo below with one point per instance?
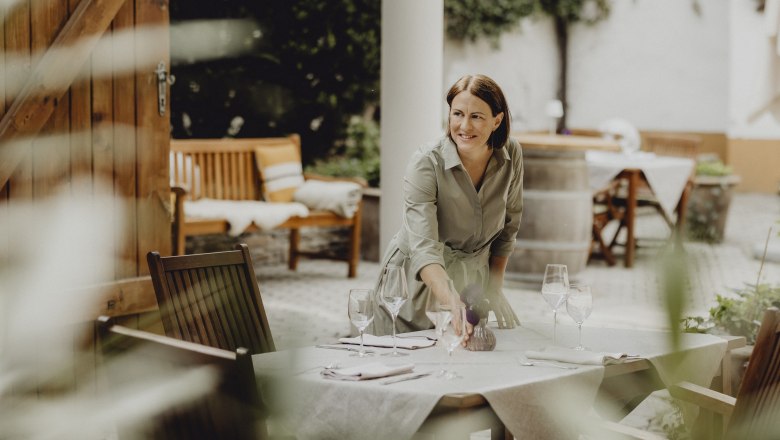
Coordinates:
(530, 401)
(666, 175)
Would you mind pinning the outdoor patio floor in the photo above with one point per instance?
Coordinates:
(309, 306)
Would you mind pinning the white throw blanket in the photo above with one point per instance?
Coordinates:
(341, 198)
(242, 213)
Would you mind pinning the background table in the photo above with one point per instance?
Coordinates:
(667, 177)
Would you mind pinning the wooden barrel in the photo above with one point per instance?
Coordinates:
(557, 214)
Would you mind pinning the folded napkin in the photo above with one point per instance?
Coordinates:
(410, 343)
(579, 356)
(341, 198)
(367, 371)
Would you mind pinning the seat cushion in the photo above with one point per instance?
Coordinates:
(280, 171)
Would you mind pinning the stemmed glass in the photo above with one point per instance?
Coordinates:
(579, 304)
(555, 287)
(453, 335)
(392, 294)
(361, 312)
(440, 313)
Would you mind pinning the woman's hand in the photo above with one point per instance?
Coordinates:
(505, 316)
(460, 307)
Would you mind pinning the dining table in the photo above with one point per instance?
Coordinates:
(666, 177)
(503, 390)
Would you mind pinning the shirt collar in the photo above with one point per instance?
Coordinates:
(449, 152)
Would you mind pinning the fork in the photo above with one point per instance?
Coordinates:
(550, 364)
(430, 338)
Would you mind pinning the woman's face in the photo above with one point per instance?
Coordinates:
(471, 121)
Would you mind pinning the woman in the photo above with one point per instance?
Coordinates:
(462, 207)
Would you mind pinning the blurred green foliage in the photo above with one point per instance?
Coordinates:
(358, 156)
(311, 66)
(738, 315)
(472, 19)
(713, 168)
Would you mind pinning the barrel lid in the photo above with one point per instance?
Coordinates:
(559, 142)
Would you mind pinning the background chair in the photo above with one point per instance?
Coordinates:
(211, 299)
(755, 412)
(604, 212)
(171, 389)
(676, 145)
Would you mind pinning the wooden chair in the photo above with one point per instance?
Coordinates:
(604, 212)
(180, 390)
(755, 412)
(211, 299)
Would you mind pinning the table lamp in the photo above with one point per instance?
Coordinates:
(554, 111)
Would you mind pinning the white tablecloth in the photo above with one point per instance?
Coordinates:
(666, 175)
(528, 400)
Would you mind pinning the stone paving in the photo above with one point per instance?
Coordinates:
(309, 306)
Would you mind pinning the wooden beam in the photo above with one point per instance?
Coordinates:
(51, 79)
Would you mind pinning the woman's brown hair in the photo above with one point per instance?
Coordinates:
(487, 90)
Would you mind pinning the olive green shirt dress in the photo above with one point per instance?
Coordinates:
(447, 221)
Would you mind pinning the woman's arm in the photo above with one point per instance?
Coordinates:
(505, 316)
(435, 277)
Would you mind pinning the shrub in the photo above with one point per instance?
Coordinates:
(738, 316)
(357, 157)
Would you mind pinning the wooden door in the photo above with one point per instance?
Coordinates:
(79, 107)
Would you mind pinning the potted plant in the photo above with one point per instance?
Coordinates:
(709, 202)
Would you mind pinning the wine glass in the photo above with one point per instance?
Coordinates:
(555, 287)
(361, 312)
(392, 294)
(440, 313)
(453, 335)
(579, 304)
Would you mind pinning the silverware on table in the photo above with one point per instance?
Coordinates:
(430, 338)
(405, 378)
(549, 364)
(342, 347)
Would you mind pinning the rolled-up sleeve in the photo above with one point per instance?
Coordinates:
(420, 220)
(504, 244)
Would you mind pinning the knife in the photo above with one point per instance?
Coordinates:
(342, 347)
(405, 378)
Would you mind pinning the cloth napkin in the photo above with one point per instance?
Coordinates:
(367, 371)
(341, 198)
(408, 343)
(584, 357)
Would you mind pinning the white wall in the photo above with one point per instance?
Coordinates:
(655, 63)
(755, 75)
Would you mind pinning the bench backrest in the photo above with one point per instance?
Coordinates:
(224, 168)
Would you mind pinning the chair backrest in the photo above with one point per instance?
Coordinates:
(679, 145)
(164, 388)
(211, 299)
(222, 168)
(757, 411)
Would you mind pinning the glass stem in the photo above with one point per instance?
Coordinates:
(555, 325)
(361, 343)
(579, 337)
(395, 350)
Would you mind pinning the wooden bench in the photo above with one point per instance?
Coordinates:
(226, 170)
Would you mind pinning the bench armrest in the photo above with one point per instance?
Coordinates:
(359, 180)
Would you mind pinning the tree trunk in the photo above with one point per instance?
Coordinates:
(562, 39)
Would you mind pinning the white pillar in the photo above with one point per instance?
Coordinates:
(411, 95)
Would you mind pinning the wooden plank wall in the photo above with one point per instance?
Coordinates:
(112, 133)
